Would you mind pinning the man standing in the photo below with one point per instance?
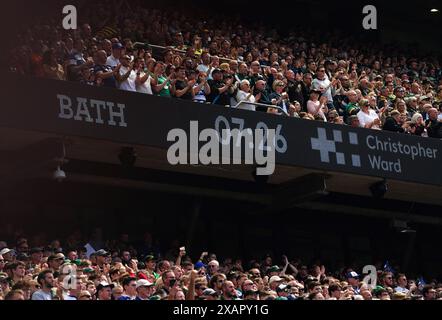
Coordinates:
(117, 51)
(220, 91)
(127, 76)
(103, 73)
(323, 83)
(183, 88)
(294, 88)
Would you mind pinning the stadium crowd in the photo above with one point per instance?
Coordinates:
(127, 270)
(247, 66)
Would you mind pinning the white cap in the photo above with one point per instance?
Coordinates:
(144, 283)
(5, 251)
(275, 279)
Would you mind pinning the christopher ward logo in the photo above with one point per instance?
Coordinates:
(210, 147)
(388, 153)
(327, 147)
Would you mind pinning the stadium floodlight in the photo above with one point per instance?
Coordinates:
(379, 189)
(434, 10)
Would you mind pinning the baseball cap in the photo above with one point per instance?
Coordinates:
(281, 287)
(352, 274)
(102, 253)
(149, 258)
(5, 251)
(57, 256)
(275, 279)
(209, 292)
(104, 284)
(274, 269)
(143, 283)
(200, 265)
(117, 45)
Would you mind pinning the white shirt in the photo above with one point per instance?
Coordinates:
(146, 87)
(242, 96)
(129, 83)
(202, 68)
(364, 118)
(41, 295)
(312, 108)
(401, 290)
(112, 62)
(321, 85)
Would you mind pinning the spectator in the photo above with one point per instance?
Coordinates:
(55, 261)
(279, 98)
(161, 82)
(434, 124)
(18, 271)
(368, 118)
(353, 281)
(245, 95)
(104, 291)
(182, 87)
(316, 106)
(392, 123)
(324, 85)
(126, 76)
(117, 292)
(76, 62)
(46, 281)
(129, 287)
(213, 267)
(144, 289)
(402, 283)
(429, 292)
(104, 74)
(84, 295)
(143, 80)
(117, 53)
(335, 291)
(220, 90)
(229, 292)
(51, 68)
(201, 88)
(15, 295)
(417, 125)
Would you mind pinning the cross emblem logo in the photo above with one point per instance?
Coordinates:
(327, 147)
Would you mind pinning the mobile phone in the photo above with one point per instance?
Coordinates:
(183, 249)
